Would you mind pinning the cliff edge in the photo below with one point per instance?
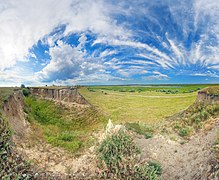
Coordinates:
(70, 95)
(208, 95)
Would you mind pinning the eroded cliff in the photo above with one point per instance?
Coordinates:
(208, 95)
(13, 110)
(70, 95)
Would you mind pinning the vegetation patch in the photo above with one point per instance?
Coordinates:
(5, 93)
(167, 89)
(140, 128)
(149, 107)
(118, 159)
(194, 117)
(11, 165)
(63, 127)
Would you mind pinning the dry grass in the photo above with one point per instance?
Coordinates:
(212, 90)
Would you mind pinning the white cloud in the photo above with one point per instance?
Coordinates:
(132, 70)
(24, 22)
(152, 52)
(156, 76)
(107, 53)
(68, 62)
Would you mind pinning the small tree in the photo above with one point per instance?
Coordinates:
(26, 92)
(22, 86)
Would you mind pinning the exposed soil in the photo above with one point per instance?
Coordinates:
(59, 161)
(187, 161)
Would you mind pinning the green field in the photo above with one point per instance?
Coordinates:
(167, 89)
(148, 104)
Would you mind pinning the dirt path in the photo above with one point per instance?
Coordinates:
(187, 161)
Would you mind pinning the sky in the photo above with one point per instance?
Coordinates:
(108, 42)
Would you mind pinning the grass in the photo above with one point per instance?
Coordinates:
(141, 129)
(193, 118)
(117, 156)
(149, 107)
(167, 89)
(63, 127)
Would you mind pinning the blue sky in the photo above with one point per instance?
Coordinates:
(109, 42)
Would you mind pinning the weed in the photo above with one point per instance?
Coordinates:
(117, 155)
(184, 132)
(156, 166)
(194, 117)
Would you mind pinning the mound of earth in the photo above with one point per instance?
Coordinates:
(182, 160)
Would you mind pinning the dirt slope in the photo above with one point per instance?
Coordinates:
(189, 161)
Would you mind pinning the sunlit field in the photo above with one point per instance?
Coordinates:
(145, 104)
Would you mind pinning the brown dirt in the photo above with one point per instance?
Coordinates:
(186, 161)
(57, 160)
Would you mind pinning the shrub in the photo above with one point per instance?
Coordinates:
(184, 132)
(156, 166)
(117, 156)
(66, 136)
(22, 86)
(26, 92)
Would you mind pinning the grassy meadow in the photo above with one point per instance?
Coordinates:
(149, 105)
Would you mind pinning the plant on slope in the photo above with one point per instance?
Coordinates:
(12, 166)
(141, 129)
(118, 160)
(194, 117)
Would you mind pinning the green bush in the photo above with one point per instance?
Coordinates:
(117, 157)
(184, 132)
(156, 166)
(26, 92)
(66, 136)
